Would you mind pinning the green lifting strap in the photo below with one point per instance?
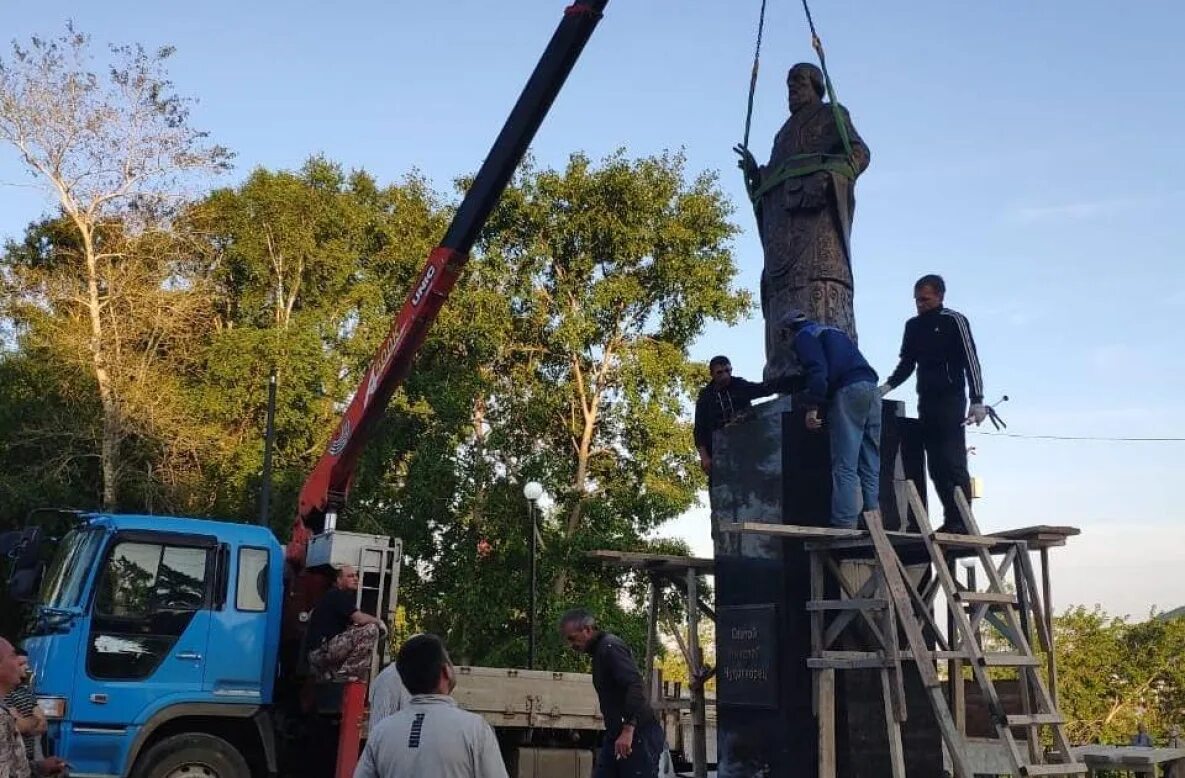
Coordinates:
(753, 75)
(840, 124)
(802, 164)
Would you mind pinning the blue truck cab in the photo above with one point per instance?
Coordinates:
(154, 639)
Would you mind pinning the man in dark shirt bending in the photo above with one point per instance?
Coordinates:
(341, 638)
(726, 397)
(634, 739)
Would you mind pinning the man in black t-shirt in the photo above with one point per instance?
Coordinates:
(341, 638)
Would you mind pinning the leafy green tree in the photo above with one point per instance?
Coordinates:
(114, 146)
(562, 358)
(619, 267)
(307, 269)
(1114, 673)
(154, 318)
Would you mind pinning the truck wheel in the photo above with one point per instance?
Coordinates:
(192, 756)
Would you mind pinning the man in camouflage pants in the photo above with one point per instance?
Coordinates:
(341, 638)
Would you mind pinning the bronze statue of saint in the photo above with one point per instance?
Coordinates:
(804, 200)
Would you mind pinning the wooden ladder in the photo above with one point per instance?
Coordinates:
(889, 599)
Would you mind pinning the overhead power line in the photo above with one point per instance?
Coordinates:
(1100, 438)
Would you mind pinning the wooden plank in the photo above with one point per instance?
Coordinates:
(1033, 734)
(826, 724)
(699, 718)
(1051, 654)
(840, 622)
(954, 670)
(898, 591)
(848, 604)
(962, 624)
(1009, 557)
(1004, 659)
(673, 626)
(1055, 769)
(958, 654)
(1061, 743)
(1104, 757)
(817, 642)
(892, 649)
(1030, 581)
(1039, 719)
(1040, 537)
(896, 749)
(955, 745)
(795, 531)
(924, 609)
(991, 598)
(846, 664)
(852, 655)
(968, 541)
(651, 639)
(897, 586)
(642, 560)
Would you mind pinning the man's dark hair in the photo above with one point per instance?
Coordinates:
(719, 359)
(420, 661)
(932, 280)
(581, 617)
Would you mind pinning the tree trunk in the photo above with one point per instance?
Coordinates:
(109, 445)
(579, 484)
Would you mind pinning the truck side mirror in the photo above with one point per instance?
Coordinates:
(22, 548)
(23, 584)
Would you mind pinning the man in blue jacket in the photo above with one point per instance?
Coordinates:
(839, 380)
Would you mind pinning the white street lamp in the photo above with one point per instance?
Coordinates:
(532, 490)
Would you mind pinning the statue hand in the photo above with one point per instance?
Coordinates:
(747, 162)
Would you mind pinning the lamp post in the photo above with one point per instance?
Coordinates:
(533, 490)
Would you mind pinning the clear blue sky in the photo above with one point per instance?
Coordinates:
(1027, 151)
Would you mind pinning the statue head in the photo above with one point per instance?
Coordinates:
(805, 85)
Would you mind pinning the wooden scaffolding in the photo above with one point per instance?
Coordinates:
(872, 606)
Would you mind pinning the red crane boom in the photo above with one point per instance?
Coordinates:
(325, 491)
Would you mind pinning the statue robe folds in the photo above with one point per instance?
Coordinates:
(805, 223)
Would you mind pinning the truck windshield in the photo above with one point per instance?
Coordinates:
(66, 577)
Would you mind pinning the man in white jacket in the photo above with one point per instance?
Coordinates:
(431, 737)
(388, 695)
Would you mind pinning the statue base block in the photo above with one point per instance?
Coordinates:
(769, 468)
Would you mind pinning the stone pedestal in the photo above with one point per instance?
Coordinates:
(770, 468)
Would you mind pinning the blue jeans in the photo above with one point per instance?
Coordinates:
(642, 761)
(854, 419)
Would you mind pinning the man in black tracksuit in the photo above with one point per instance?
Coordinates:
(938, 343)
(634, 740)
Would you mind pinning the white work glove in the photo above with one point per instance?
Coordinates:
(977, 414)
(884, 389)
